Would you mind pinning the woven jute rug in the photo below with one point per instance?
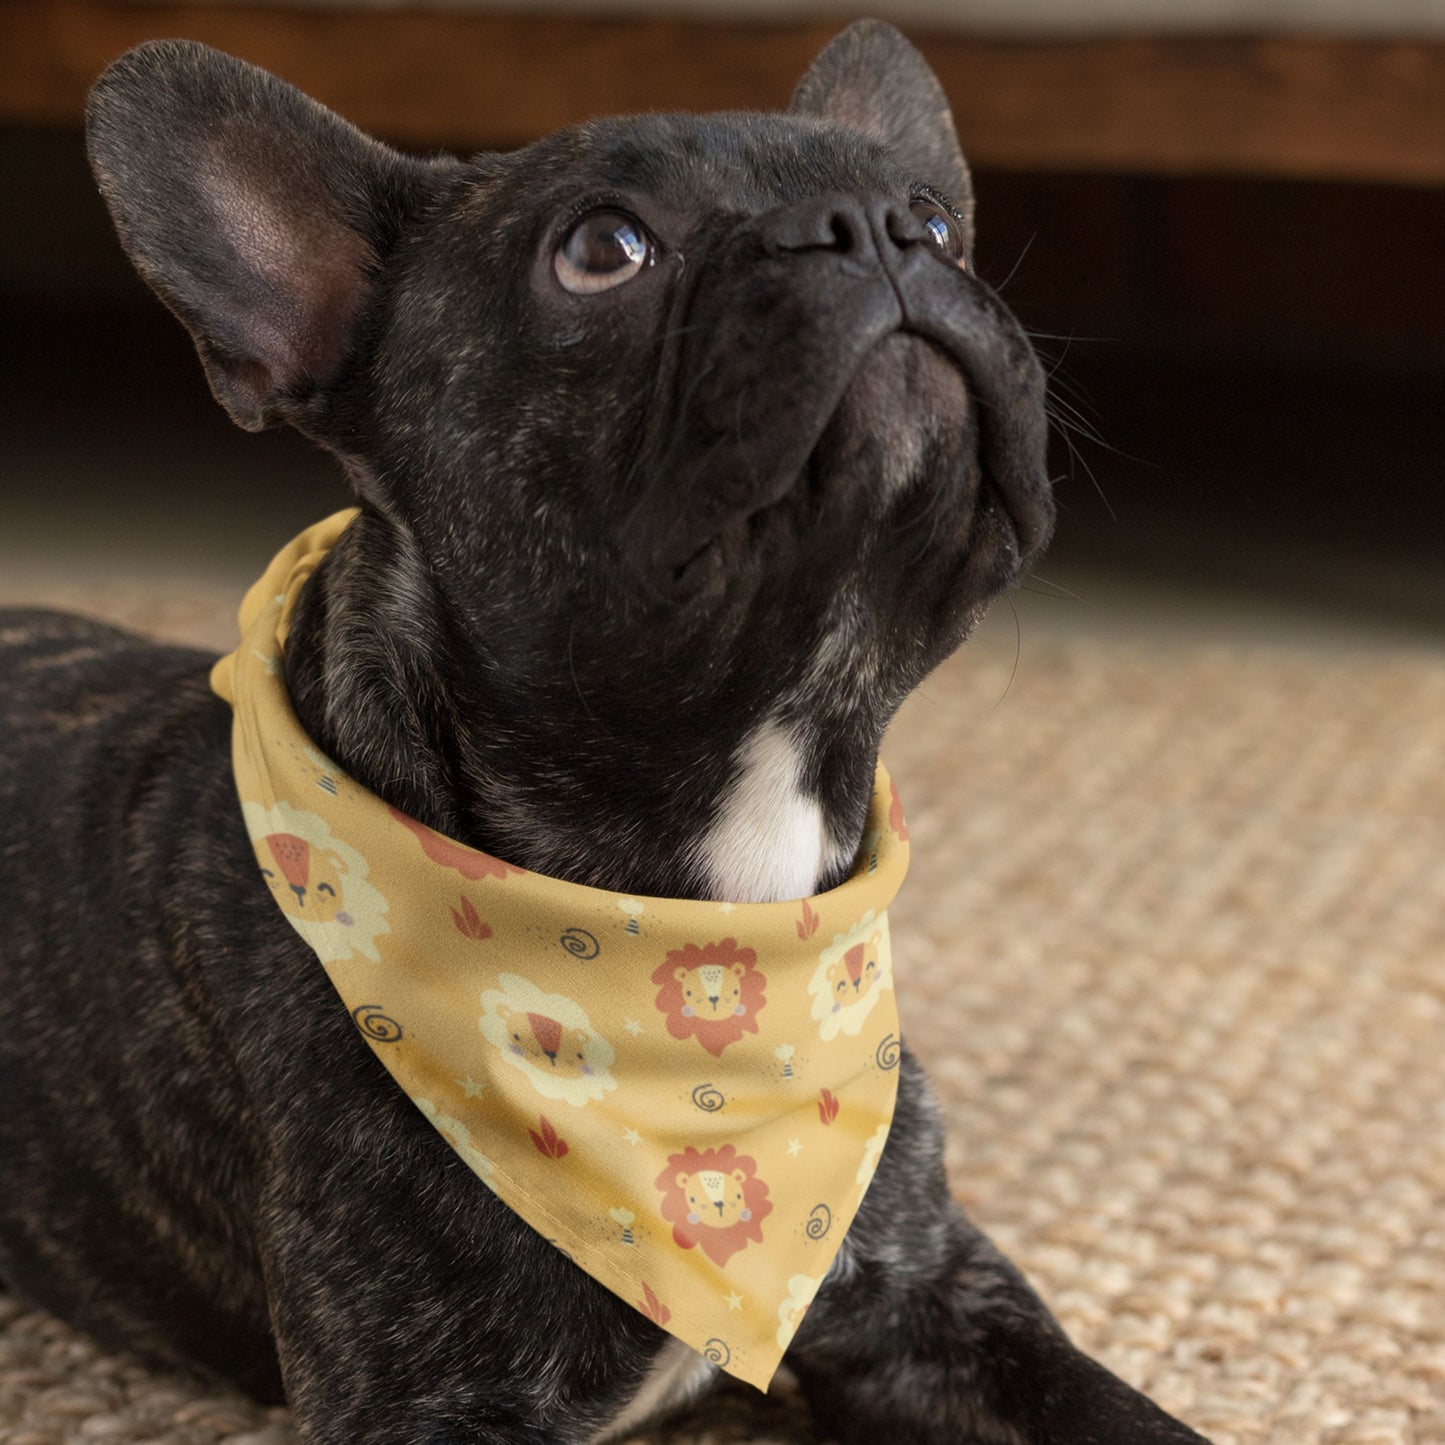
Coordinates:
(1173, 947)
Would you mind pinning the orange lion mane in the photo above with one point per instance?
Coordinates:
(713, 1034)
(718, 1244)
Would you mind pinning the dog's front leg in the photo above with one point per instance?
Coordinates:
(924, 1332)
(409, 1306)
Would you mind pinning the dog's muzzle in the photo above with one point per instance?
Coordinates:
(806, 294)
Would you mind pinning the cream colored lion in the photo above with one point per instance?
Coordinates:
(872, 1152)
(801, 1289)
(851, 974)
(319, 881)
(550, 1039)
(460, 1138)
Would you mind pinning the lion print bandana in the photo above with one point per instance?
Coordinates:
(687, 1098)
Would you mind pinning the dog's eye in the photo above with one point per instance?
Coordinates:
(943, 231)
(601, 251)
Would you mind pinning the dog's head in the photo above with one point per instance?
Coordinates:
(680, 423)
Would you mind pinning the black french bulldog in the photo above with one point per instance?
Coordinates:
(686, 446)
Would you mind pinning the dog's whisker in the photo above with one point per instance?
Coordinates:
(1013, 270)
(1059, 591)
(1018, 653)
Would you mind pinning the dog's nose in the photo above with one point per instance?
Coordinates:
(856, 226)
(299, 889)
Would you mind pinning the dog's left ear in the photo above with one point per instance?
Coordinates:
(871, 78)
(259, 217)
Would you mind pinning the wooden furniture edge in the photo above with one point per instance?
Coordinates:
(1302, 106)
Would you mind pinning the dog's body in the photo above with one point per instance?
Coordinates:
(646, 561)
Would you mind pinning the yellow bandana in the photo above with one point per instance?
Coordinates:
(688, 1098)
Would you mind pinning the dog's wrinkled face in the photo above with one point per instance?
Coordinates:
(792, 426)
(667, 426)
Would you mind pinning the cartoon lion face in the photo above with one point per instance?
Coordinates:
(714, 1200)
(319, 882)
(851, 973)
(711, 992)
(550, 1039)
(545, 1043)
(305, 881)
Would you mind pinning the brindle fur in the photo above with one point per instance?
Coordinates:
(599, 543)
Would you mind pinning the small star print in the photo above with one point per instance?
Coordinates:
(632, 1136)
(633, 1027)
(794, 1147)
(470, 1087)
(726, 907)
(735, 1301)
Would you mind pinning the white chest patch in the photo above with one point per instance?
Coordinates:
(767, 842)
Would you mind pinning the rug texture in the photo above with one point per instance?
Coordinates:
(1173, 948)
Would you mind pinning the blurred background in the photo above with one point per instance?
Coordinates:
(1228, 240)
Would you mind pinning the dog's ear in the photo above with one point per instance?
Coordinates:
(258, 216)
(871, 78)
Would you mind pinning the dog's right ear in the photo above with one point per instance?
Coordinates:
(259, 216)
(870, 77)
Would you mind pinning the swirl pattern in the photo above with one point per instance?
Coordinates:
(377, 1026)
(716, 1352)
(888, 1052)
(820, 1221)
(580, 944)
(708, 1098)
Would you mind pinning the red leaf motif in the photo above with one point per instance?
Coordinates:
(827, 1107)
(653, 1307)
(468, 923)
(809, 926)
(896, 820)
(549, 1141)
